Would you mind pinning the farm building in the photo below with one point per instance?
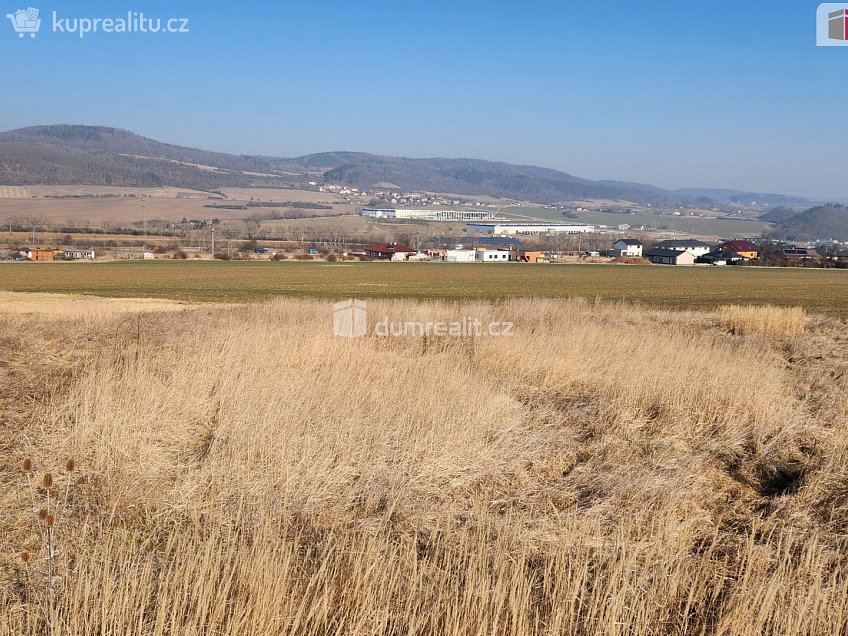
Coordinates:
(37, 254)
(390, 251)
(493, 256)
(746, 249)
(697, 248)
(499, 229)
(78, 255)
(661, 256)
(631, 248)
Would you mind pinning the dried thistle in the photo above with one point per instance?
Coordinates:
(70, 466)
(25, 556)
(48, 480)
(50, 521)
(27, 465)
(42, 514)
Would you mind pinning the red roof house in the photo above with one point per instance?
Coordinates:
(743, 248)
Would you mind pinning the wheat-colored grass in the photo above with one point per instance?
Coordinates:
(606, 470)
(769, 320)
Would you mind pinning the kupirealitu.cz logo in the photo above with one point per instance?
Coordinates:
(832, 24)
(27, 22)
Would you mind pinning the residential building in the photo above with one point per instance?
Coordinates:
(525, 256)
(493, 256)
(799, 253)
(663, 256)
(745, 249)
(389, 251)
(697, 248)
(719, 257)
(631, 248)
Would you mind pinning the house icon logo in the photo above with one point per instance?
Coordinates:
(832, 24)
(25, 21)
(837, 25)
(350, 318)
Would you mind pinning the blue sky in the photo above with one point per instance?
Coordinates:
(719, 94)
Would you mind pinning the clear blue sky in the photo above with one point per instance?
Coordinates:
(710, 94)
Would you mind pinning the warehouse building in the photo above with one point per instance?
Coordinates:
(434, 214)
(499, 229)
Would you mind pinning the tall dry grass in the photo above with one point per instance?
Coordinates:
(769, 320)
(607, 470)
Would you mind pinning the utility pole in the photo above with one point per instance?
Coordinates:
(33, 235)
(10, 226)
(213, 242)
(144, 210)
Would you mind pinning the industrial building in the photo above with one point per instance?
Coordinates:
(434, 214)
(506, 228)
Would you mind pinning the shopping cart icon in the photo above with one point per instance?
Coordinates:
(25, 21)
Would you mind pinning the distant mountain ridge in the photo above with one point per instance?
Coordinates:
(822, 222)
(100, 155)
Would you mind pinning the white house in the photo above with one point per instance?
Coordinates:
(493, 256)
(662, 256)
(630, 248)
(697, 248)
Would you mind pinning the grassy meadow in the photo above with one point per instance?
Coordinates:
(606, 470)
(819, 291)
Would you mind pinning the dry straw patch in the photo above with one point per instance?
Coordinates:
(769, 320)
(607, 470)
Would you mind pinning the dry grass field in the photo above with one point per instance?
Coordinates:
(605, 470)
(124, 205)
